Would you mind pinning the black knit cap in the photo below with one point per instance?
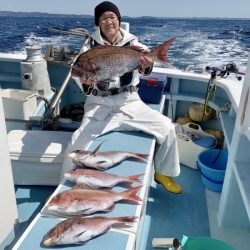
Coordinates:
(103, 7)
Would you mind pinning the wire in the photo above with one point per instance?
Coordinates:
(211, 90)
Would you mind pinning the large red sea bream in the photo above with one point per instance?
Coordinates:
(102, 160)
(78, 201)
(79, 230)
(104, 62)
(98, 179)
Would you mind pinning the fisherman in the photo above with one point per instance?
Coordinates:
(122, 109)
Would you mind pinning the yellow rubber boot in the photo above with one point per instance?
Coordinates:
(168, 183)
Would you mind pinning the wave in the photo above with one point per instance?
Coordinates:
(199, 42)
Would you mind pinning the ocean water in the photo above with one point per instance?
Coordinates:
(199, 42)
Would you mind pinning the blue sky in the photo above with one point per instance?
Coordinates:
(159, 8)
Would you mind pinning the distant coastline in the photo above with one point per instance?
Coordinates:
(39, 14)
(44, 14)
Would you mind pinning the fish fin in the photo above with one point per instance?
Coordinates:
(137, 48)
(134, 178)
(97, 149)
(78, 163)
(110, 208)
(127, 218)
(80, 234)
(89, 187)
(159, 53)
(81, 242)
(98, 167)
(53, 214)
(124, 221)
(99, 163)
(82, 186)
(142, 157)
(131, 194)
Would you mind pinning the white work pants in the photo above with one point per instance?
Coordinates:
(126, 112)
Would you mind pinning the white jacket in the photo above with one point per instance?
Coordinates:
(126, 112)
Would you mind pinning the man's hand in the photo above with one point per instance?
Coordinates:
(146, 63)
(87, 81)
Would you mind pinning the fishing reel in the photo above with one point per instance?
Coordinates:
(225, 71)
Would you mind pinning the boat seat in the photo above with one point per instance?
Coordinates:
(37, 156)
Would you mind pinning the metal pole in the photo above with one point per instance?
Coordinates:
(61, 90)
(49, 118)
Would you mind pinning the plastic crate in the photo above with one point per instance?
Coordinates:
(18, 103)
(151, 87)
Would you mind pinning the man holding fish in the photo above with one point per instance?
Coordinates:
(109, 75)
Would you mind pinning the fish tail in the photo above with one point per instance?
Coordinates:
(134, 178)
(130, 194)
(160, 53)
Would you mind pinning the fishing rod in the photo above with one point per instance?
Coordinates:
(225, 71)
(76, 32)
(222, 72)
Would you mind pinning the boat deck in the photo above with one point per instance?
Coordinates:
(192, 213)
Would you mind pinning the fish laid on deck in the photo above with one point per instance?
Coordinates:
(102, 160)
(79, 230)
(98, 179)
(78, 201)
(105, 62)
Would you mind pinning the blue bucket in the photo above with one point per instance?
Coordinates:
(212, 164)
(212, 185)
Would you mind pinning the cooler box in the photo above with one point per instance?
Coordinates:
(192, 140)
(18, 103)
(37, 156)
(151, 87)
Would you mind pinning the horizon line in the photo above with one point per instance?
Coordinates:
(82, 15)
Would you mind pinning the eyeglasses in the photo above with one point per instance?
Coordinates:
(104, 19)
